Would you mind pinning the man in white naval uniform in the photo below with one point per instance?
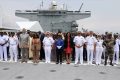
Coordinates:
(13, 44)
(47, 44)
(1, 45)
(99, 50)
(116, 49)
(90, 42)
(6, 38)
(79, 42)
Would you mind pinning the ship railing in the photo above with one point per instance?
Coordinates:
(79, 11)
(26, 11)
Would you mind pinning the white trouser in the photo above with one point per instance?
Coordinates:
(1, 53)
(13, 53)
(90, 50)
(47, 50)
(116, 60)
(5, 53)
(99, 51)
(78, 53)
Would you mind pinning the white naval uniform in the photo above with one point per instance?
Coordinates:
(1, 47)
(13, 44)
(116, 51)
(99, 51)
(90, 41)
(48, 42)
(6, 38)
(79, 41)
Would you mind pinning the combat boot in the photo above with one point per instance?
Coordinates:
(111, 62)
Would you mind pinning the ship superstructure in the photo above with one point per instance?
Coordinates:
(54, 19)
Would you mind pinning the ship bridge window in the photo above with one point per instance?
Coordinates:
(18, 10)
(28, 11)
(64, 12)
(77, 11)
(59, 12)
(70, 11)
(35, 11)
(39, 12)
(87, 11)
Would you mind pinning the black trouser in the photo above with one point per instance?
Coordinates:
(59, 55)
(42, 54)
(73, 54)
(8, 54)
(84, 54)
(19, 53)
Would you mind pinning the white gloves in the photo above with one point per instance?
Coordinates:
(59, 47)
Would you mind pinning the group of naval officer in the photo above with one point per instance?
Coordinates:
(95, 45)
(10, 41)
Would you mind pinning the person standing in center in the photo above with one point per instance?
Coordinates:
(90, 42)
(59, 48)
(24, 45)
(79, 43)
(68, 45)
(48, 44)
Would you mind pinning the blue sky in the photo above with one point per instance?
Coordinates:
(105, 13)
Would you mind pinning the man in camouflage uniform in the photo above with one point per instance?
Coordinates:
(109, 43)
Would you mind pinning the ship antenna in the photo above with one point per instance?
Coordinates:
(42, 3)
(80, 7)
(40, 6)
(66, 7)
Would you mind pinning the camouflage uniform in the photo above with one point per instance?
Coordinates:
(109, 43)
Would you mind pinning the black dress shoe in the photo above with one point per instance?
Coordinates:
(57, 62)
(111, 64)
(105, 64)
